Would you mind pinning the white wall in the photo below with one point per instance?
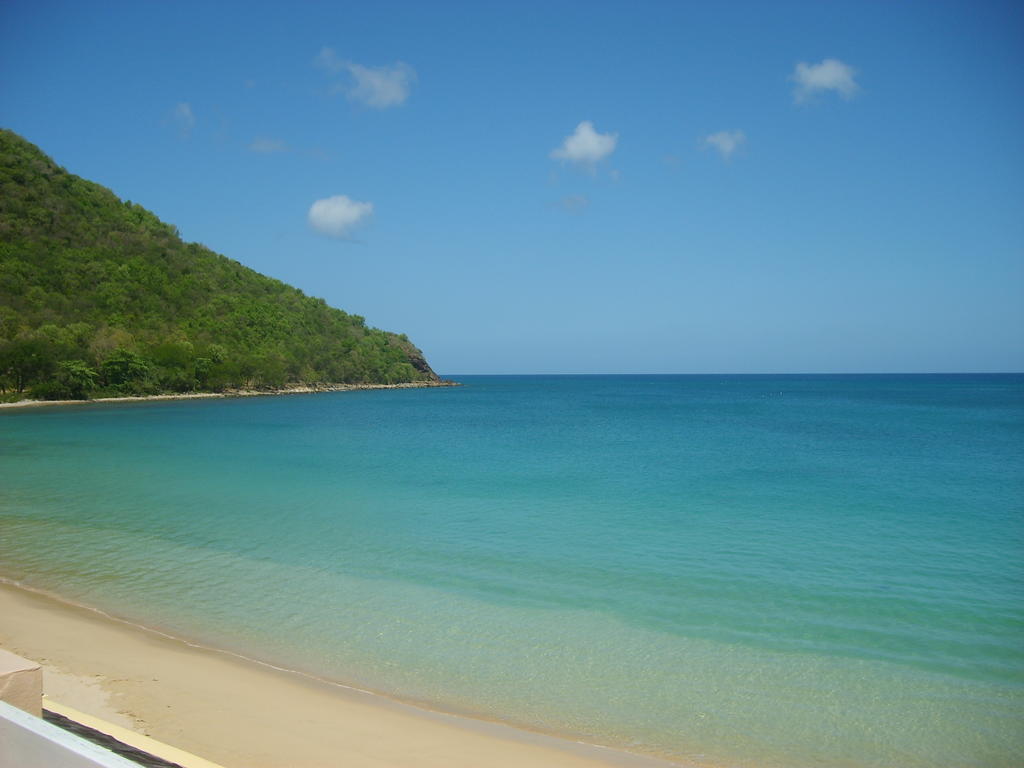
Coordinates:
(27, 741)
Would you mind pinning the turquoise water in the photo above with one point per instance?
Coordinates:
(773, 571)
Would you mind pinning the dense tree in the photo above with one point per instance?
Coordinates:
(74, 380)
(127, 372)
(89, 283)
(26, 360)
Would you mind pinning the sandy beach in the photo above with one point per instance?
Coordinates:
(296, 390)
(243, 714)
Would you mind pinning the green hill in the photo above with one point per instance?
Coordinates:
(100, 297)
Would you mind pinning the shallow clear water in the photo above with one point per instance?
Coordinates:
(798, 571)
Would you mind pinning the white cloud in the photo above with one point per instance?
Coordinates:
(264, 146)
(378, 87)
(585, 146)
(726, 142)
(381, 87)
(184, 118)
(337, 216)
(829, 75)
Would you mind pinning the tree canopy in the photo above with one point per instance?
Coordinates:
(98, 296)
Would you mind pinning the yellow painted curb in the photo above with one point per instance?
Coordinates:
(131, 738)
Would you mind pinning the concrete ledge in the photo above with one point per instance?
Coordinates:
(21, 683)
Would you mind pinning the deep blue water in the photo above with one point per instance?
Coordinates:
(777, 571)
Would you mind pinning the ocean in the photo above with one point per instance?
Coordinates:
(772, 571)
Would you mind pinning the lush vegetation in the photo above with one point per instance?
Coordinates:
(99, 297)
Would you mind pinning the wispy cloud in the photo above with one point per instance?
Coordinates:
(585, 147)
(337, 216)
(328, 60)
(184, 119)
(261, 145)
(377, 87)
(726, 142)
(574, 203)
(829, 75)
(381, 87)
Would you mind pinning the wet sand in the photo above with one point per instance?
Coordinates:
(244, 714)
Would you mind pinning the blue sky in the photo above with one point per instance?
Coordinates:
(569, 187)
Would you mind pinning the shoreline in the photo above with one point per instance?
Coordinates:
(296, 390)
(243, 712)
